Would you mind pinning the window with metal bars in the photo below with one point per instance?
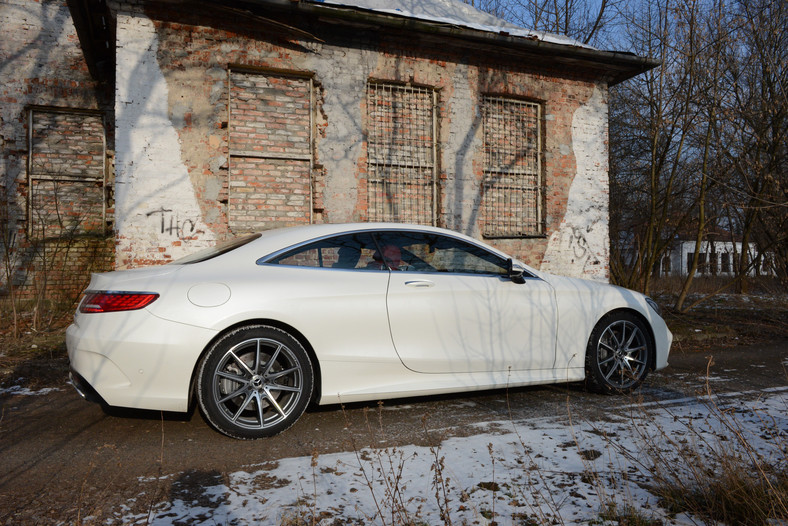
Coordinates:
(401, 153)
(512, 186)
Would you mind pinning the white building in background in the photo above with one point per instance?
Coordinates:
(715, 258)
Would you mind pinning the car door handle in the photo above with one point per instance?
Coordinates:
(420, 283)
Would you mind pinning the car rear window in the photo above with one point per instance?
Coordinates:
(222, 248)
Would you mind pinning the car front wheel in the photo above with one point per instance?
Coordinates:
(618, 354)
(254, 382)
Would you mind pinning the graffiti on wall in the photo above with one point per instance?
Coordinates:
(168, 223)
(579, 246)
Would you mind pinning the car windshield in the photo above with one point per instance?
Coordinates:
(211, 252)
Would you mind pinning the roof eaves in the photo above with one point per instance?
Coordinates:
(619, 66)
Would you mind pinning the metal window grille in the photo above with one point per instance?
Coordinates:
(401, 153)
(512, 186)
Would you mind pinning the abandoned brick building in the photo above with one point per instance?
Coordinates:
(134, 132)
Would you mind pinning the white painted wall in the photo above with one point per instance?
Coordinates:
(158, 214)
(580, 246)
(155, 203)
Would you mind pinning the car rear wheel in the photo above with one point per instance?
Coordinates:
(254, 382)
(618, 354)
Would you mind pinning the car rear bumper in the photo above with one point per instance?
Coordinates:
(135, 360)
(84, 389)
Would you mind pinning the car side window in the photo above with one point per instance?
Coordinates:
(349, 251)
(429, 252)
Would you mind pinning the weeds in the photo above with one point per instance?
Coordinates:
(626, 515)
(389, 465)
(722, 465)
(725, 478)
(717, 464)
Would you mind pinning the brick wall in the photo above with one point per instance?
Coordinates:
(67, 144)
(195, 54)
(192, 84)
(268, 193)
(270, 151)
(53, 223)
(185, 179)
(66, 183)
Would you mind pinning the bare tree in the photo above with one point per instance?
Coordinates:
(753, 130)
(704, 49)
(654, 119)
(583, 20)
(8, 255)
(700, 144)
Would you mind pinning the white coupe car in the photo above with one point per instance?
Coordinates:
(257, 328)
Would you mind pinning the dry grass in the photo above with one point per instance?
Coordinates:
(733, 482)
(728, 320)
(733, 496)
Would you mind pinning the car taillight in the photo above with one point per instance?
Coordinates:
(116, 301)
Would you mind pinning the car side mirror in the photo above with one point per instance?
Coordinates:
(515, 272)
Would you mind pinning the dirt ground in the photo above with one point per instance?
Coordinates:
(64, 460)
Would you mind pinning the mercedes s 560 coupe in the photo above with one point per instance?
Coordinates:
(255, 329)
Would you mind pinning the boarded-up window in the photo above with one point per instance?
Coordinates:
(401, 153)
(66, 172)
(270, 151)
(512, 186)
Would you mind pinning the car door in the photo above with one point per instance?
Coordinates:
(453, 308)
(334, 291)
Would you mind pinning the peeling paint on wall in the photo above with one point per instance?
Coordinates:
(41, 64)
(158, 216)
(343, 79)
(173, 126)
(46, 214)
(462, 196)
(580, 245)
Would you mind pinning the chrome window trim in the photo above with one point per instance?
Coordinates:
(265, 260)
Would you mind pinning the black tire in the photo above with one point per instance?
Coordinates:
(619, 354)
(254, 382)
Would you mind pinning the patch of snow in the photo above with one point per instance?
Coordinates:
(559, 469)
(716, 379)
(25, 391)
